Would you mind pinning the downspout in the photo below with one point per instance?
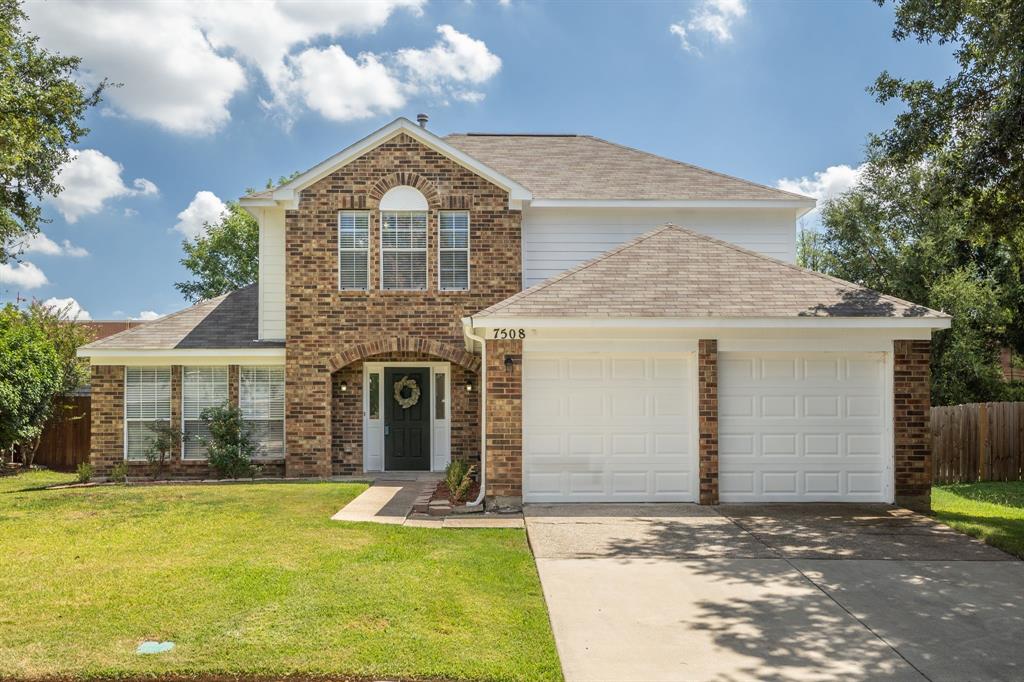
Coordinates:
(467, 330)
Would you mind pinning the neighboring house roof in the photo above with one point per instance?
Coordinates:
(101, 329)
(672, 272)
(585, 167)
(228, 321)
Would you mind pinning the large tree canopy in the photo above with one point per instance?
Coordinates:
(224, 257)
(41, 108)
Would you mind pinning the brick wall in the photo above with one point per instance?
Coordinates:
(504, 419)
(107, 441)
(323, 323)
(911, 430)
(707, 410)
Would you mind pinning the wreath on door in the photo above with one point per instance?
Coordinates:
(414, 392)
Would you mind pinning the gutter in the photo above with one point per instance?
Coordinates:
(467, 330)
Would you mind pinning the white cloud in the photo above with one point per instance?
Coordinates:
(148, 315)
(69, 307)
(24, 275)
(343, 89)
(130, 213)
(456, 58)
(826, 184)
(184, 75)
(711, 18)
(205, 207)
(40, 243)
(91, 178)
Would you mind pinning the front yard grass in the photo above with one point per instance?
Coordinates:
(256, 579)
(993, 512)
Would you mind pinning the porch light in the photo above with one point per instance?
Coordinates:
(344, 386)
(508, 363)
(469, 385)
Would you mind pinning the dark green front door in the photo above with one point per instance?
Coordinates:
(407, 428)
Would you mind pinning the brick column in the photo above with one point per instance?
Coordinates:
(504, 422)
(106, 442)
(707, 395)
(233, 387)
(176, 415)
(307, 421)
(912, 456)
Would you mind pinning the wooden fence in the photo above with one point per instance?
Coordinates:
(65, 441)
(978, 442)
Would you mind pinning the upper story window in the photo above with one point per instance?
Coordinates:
(453, 251)
(201, 387)
(403, 240)
(354, 250)
(147, 402)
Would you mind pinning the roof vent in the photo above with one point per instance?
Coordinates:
(422, 120)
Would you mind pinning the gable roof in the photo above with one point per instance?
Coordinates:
(672, 272)
(228, 321)
(288, 192)
(589, 168)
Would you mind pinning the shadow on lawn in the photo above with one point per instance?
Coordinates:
(999, 531)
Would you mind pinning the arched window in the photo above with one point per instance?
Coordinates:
(403, 239)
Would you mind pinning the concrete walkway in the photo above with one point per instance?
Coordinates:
(810, 592)
(391, 502)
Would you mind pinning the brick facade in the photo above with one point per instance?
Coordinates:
(505, 420)
(107, 442)
(331, 332)
(912, 457)
(707, 415)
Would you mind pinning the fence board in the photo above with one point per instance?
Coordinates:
(65, 441)
(978, 442)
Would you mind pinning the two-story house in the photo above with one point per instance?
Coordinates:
(586, 321)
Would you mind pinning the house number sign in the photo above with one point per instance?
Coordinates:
(509, 334)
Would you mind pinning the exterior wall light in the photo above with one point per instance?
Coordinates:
(469, 385)
(344, 387)
(508, 363)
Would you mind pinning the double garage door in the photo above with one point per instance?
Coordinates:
(606, 427)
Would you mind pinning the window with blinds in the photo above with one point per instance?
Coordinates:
(201, 387)
(453, 255)
(147, 401)
(403, 239)
(353, 250)
(261, 401)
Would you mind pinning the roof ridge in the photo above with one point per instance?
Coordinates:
(578, 268)
(853, 286)
(170, 316)
(699, 168)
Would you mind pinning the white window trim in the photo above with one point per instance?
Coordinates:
(425, 250)
(181, 455)
(369, 229)
(284, 419)
(469, 265)
(124, 412)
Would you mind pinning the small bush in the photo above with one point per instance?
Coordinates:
(229, 447)
(84, 472)
(458, 478)
(119, 472)
(165, 441)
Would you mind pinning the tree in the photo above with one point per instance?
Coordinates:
(224, 257)
(166, 440)
(969, 129)
(229, 449)
(41, 108)
(29, 378)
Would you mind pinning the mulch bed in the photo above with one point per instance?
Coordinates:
(441, 494)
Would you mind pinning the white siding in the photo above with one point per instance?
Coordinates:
(271, 274)
(556, 239)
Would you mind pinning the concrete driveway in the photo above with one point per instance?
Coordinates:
(811, 592)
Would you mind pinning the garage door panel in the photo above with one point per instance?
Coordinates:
(623, 431)
(802, 427)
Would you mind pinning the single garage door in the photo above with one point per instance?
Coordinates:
(803, 427)
(608, 427)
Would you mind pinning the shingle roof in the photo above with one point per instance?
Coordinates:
(585, 167)
(672, 272)
(228, 321)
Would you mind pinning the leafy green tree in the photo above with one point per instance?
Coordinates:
(41, 109)
(223, 258)
(29, 378)
(229, 448)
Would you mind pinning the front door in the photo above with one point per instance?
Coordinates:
(407, 419)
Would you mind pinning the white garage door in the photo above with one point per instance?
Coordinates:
(803, 427)
(608, 427)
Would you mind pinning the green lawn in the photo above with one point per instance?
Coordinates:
(257, 579)
(993, 512)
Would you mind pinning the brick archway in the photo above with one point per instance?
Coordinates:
(397, 344)
(426, 187)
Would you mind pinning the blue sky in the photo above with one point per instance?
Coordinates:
(217, 98)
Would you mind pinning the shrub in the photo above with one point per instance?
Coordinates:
(84, 472)
(229, 448)
(119, 472)
(165, 440)
(458, 478)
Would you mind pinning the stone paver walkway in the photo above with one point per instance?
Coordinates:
(392, 501)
